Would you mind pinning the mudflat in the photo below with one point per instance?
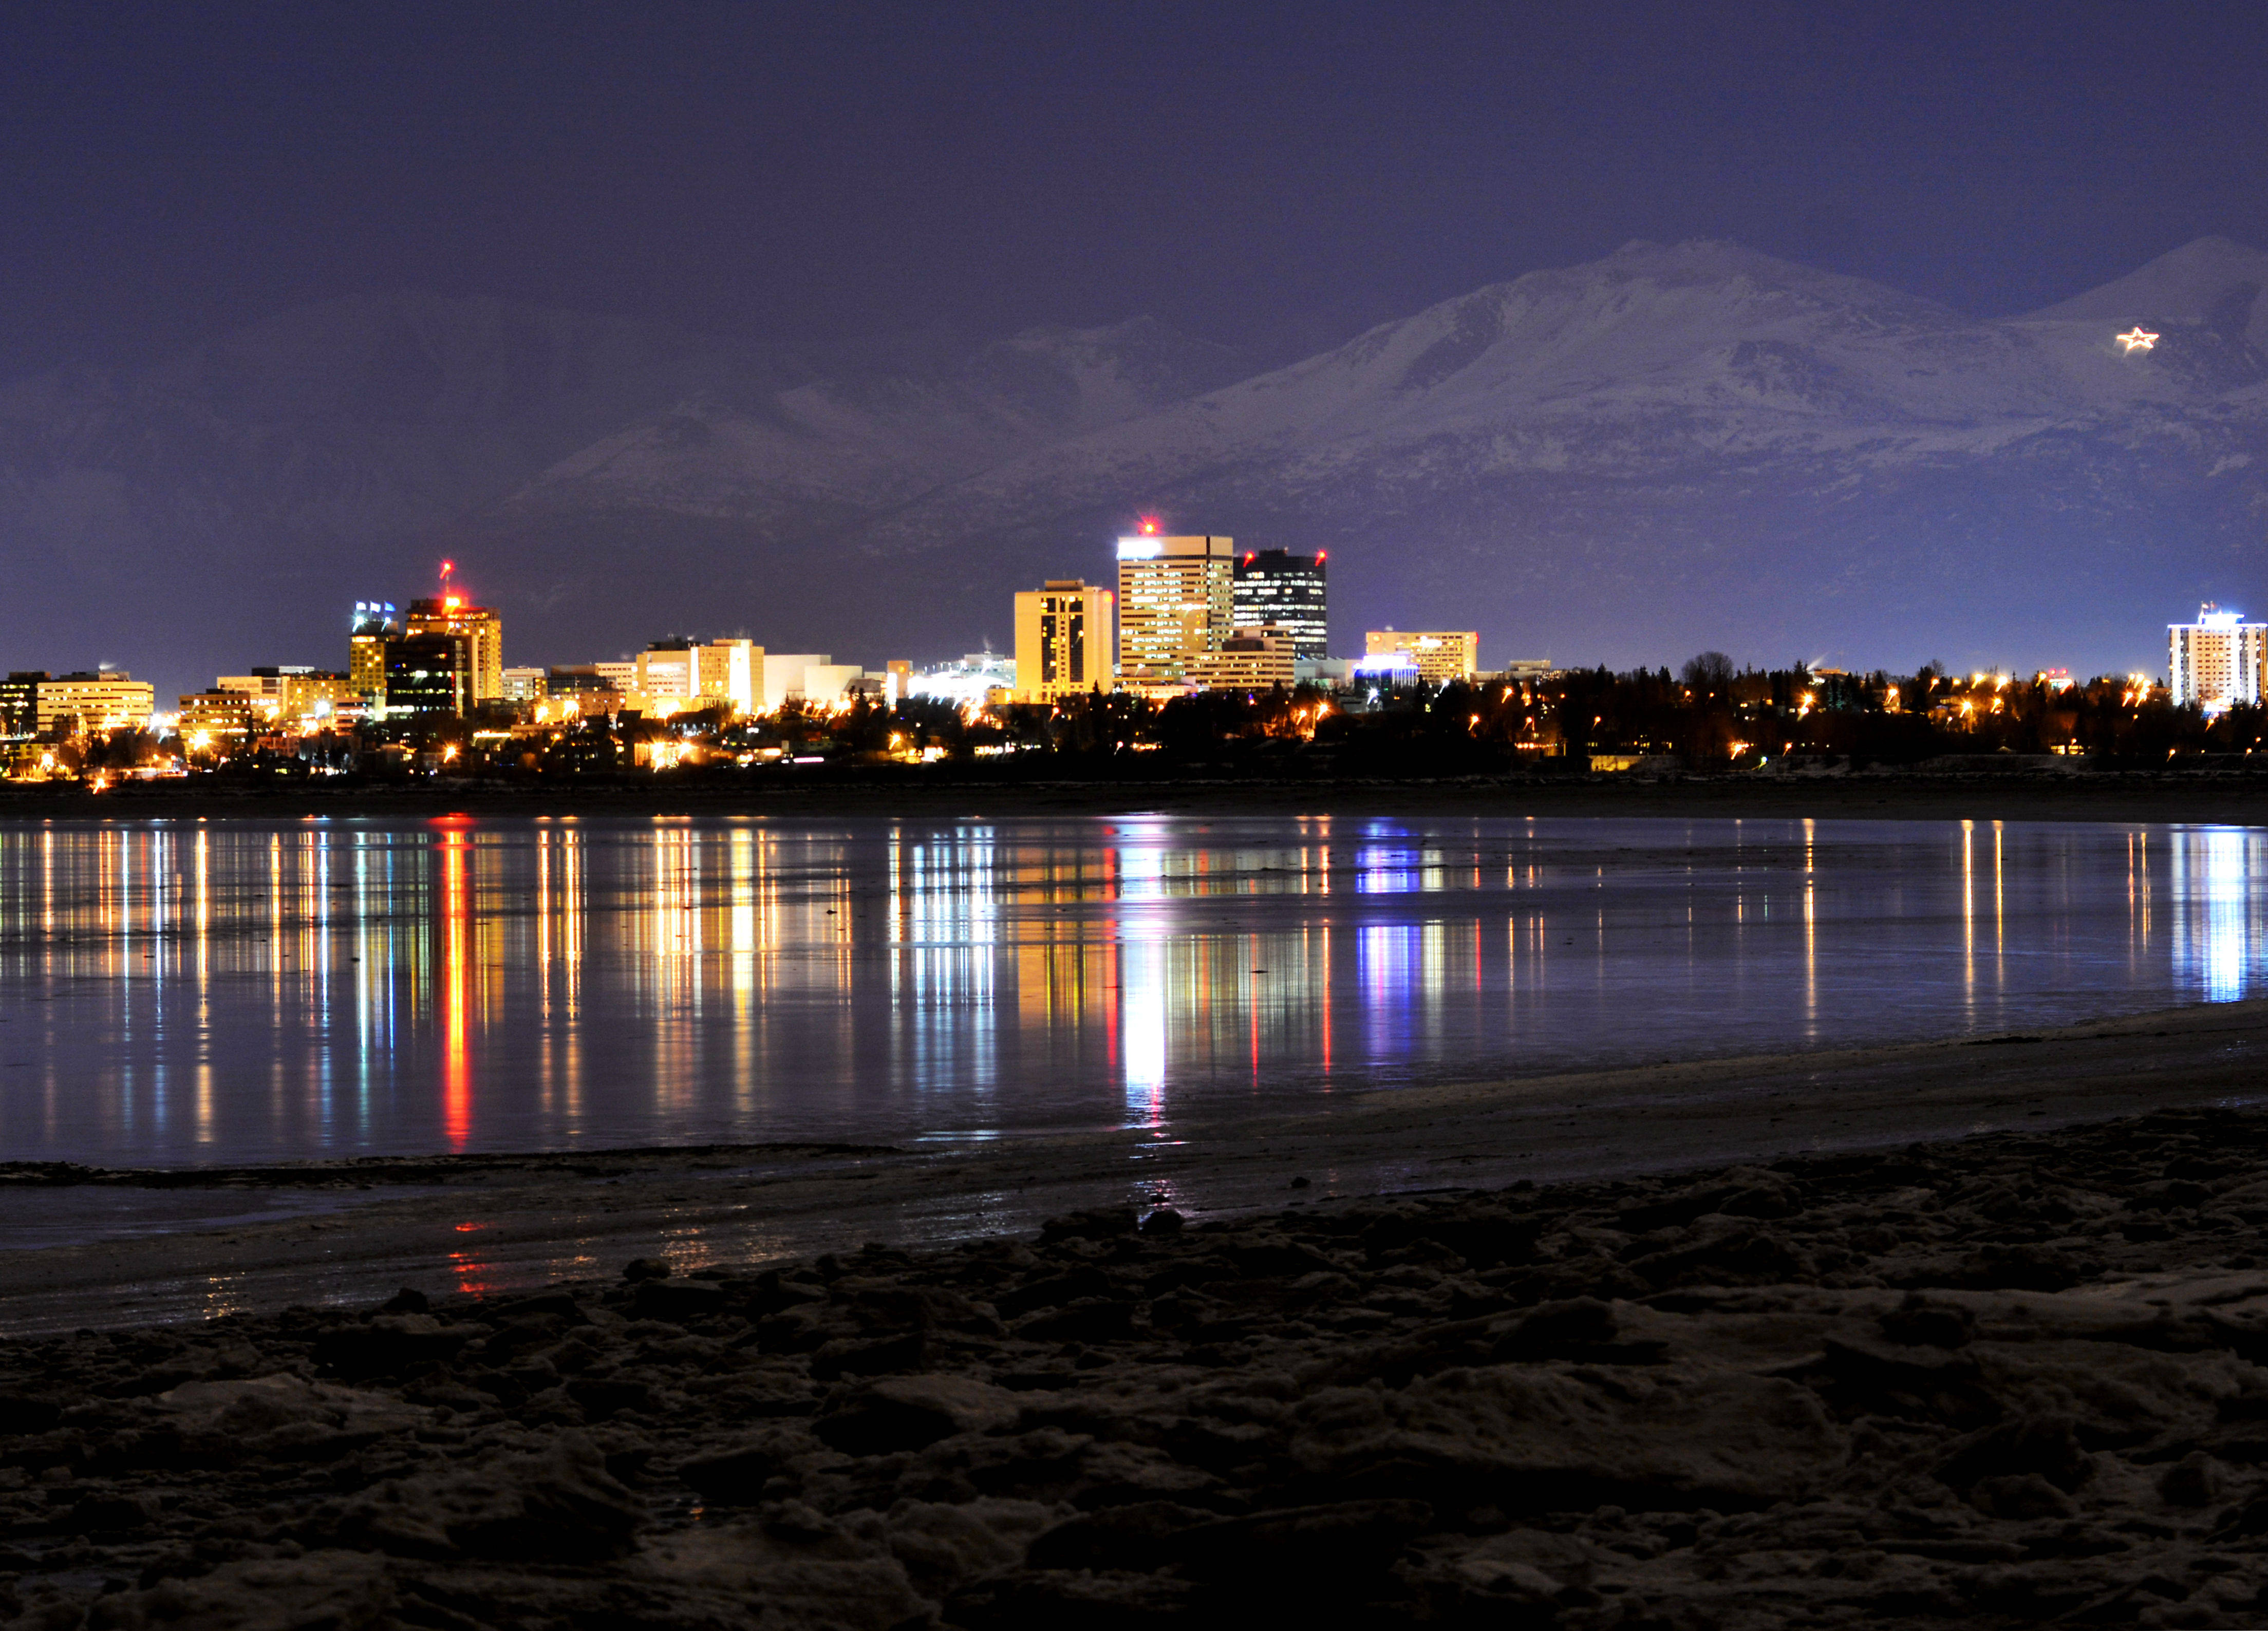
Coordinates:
(1991, 1381)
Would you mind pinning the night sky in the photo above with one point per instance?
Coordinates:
(1274, 176)
(836, 180)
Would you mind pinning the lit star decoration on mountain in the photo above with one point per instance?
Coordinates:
(2140, 339)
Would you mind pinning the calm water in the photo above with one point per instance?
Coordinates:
(191, 992)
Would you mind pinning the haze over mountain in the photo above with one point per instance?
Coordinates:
(1699, 439)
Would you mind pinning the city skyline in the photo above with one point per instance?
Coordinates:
(2219, 659)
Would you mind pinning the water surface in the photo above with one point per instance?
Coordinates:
(191, 992)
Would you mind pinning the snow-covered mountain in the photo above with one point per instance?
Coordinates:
(1702, 438)
(1672, 447)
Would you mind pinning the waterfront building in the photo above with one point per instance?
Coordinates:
(1275, 589)
(481, 629)
(1064, 640)
(1440, 655)
(1176, 603)
(1250, 659)
(2216, 661)
(20, 704)
(111, 699)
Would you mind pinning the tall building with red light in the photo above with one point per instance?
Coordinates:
(1176, 604)
(453, 617)
(1275, 589)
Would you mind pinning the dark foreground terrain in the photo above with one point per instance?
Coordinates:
(2011, 1379)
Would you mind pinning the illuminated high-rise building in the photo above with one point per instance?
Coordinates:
(1176, 603)
(375, 622)
(1275, 589)
(481, 629)
(2218, 660)
(1062, 640)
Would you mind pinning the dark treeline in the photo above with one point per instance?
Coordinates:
(1709, 717)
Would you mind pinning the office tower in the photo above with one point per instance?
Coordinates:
(1441, 655)
(1176, 602)
(1275, 589)
(1250, 659)
(375, 622)
(429, 673)
(80, 702)
(20, 704)
(523, 684)
(481, 629)
(2218, 660)
(1062, 640)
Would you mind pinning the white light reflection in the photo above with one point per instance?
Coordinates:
(2217, 910)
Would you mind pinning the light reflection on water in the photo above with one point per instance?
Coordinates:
(234, 991)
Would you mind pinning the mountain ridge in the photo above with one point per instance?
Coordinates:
(1715, 443)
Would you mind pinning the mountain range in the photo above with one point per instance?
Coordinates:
(1674, 447)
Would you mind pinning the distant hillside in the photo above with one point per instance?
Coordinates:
(1672, 447)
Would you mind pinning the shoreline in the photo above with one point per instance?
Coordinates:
(511, 1223)
(2216, 795)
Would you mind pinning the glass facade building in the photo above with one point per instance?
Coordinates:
(1275, 589)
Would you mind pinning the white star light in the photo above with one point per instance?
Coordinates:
(2140, 340)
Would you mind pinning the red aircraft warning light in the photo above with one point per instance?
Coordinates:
(1149, 525)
